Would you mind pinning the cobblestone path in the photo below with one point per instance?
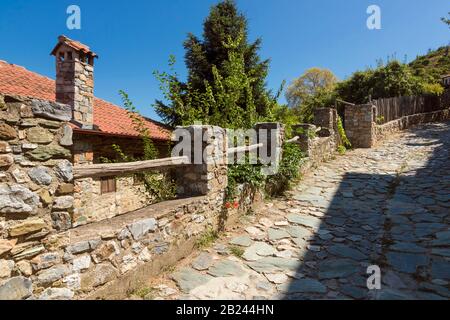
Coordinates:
(388, 206)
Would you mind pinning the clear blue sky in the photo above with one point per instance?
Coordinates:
(133, 37)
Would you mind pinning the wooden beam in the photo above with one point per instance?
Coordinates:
(345, 102)
(292, 140)
(244, 148)
(116, 169)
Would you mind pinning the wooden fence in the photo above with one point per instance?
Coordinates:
(115, 169)
(394, 108)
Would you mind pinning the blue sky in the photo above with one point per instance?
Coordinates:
(135, 37)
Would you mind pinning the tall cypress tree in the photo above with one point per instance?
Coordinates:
(210, 56)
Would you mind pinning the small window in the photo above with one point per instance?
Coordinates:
(69, 55)
(108, 185)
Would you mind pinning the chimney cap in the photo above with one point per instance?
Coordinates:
(62, 39)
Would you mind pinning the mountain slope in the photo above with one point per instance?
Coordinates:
(433, 65)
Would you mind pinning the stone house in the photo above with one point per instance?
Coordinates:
(96, 125)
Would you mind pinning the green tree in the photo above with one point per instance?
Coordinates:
(309, 84)
(227, 100)
(394, 79)
(313, 89)
(212, 62)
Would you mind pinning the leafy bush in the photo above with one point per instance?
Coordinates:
(433, 89)
(288, 171)
(394, 79)
(380, 119)
(249, 174)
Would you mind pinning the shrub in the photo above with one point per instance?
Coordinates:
(288, 171)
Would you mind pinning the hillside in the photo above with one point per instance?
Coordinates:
(432, 65)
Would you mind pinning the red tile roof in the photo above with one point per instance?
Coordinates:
(73, 44)
(108, 118)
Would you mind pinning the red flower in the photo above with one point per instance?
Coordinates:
(236, 204)
(228, 205)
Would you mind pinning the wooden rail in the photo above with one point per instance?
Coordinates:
(115, 169)
(345, 102)
(292, 140)
(244, 148)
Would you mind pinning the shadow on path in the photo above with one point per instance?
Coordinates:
(397, 221)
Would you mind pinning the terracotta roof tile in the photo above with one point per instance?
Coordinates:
(73, 44)
(109, 118)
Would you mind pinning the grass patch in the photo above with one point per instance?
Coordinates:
(236, 251)
(206, 239)
(144, 293)
(168, 269)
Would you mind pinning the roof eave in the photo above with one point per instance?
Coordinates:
(110, 134)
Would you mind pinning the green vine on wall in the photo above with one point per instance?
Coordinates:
(345, 142)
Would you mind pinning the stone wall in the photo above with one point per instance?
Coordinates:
(107, 256)
(35, 190)
(359, 125)
(205, 178)
(90, 204)
(363, 131)
(381, 131)
(319, 140)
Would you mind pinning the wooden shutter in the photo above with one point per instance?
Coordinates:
(108, 185)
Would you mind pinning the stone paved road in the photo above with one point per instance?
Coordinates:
(387, 206)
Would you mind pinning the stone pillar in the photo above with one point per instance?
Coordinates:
(206, 171)
(323, 117)
(326, 119)
(359, 125)
(271, 134)
(75, 79)
(305, 132)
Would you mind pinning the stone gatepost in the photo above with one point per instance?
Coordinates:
(325, 118)
(305, 133)
(271, 135)
(360, 125)
(206, 170)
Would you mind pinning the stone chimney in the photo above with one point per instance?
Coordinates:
(75, 79)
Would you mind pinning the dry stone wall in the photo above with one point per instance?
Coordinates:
(91, 205)
(381, 131)
(363, 131)
(36, 192)
(360, 124)
(318, 141)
